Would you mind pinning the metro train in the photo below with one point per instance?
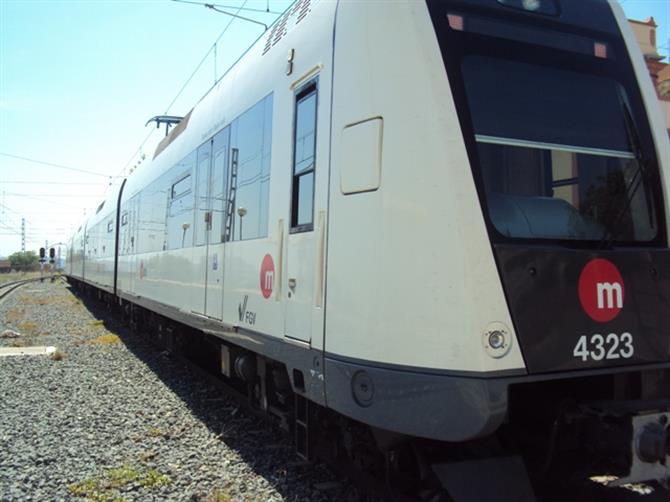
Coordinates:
(431, 232)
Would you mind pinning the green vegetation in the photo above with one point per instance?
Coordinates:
(108, 339)
(23, 260)
(105, 487)
(218, 495)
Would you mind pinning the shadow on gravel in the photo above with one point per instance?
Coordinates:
(266, 449)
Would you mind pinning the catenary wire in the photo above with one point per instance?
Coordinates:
(59, 166)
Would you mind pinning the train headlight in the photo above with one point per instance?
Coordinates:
(497, 340)
(549, 7)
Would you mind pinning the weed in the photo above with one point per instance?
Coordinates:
(154, 479)
(107, 339)
(218, 495)
(33, 300)
(58, 355)
(98, 322)
(147, 455)
(105, 487)
(28, 328)
(155, 432)
(14, 315)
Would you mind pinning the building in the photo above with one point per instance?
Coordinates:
(645, 33)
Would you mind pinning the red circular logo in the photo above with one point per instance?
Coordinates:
(267, 276)
(601, 290)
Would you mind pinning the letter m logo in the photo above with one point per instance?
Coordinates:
(268, 280)
(610, 295)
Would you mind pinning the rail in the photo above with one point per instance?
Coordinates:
(9, 287)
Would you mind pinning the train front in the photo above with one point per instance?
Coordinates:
(571, 166)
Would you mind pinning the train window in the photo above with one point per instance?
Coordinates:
(124, 218)
(249, 180)
(556, 155)
(304, 156)
(202, 213)
(175, 187)
(153, 209)
(181, 187)
(110, 226)
(219, 176)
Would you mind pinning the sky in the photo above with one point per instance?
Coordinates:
(79, 80)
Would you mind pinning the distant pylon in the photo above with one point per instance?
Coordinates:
(23, 235)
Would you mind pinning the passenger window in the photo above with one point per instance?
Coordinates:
(181, 207)
(181, 187)
(249, 181)
(202, 214)
(218, 187)
(304, 155)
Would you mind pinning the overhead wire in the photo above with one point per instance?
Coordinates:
(59, 166)
(188, 80)
(48, 201)
(247, 9)
(121, 173)
(15, 194)
(183, 87)
(27, 182)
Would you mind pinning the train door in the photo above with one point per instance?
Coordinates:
(133, 219)
(202, 224)
(215, 248)
(301, 245)
(211, 190)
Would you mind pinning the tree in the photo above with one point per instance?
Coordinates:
(23, 260)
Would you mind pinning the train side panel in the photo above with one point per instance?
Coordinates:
(172, 249)
(409, 262)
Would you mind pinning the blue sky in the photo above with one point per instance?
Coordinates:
(79, 79)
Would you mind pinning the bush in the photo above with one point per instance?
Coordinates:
(24, 260)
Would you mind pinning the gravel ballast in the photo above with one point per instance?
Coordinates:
(109, 417)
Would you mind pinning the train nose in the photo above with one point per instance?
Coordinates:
(653, 443)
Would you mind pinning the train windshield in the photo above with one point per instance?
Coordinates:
(557, 153)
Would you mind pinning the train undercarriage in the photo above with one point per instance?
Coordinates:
(585, 433)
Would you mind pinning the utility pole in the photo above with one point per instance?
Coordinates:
(23, 235)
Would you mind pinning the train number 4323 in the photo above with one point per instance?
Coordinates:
(598, 347)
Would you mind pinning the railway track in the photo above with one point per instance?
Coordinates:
(9, 287)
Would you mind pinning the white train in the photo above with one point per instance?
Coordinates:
(440, 219)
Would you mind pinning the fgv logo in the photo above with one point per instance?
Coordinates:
(601, 290)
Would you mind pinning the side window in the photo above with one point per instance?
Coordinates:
(124, 219)
(218, 184)
(180, 187)
(304, 155)
(249, 183)
(181, 204)
(110, 226)
(202, 214)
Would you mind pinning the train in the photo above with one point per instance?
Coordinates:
(431, 236)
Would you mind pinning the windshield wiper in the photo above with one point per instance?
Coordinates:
(640, 175)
